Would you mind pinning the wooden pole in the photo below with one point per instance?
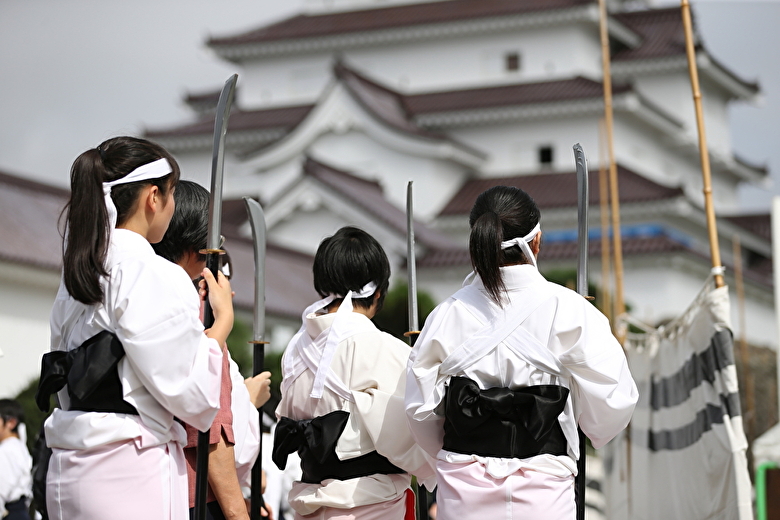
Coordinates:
(744, 354)
(703, 151)
(620, 307)
(606, 266)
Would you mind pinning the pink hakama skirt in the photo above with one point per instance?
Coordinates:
(118, 481)
(468, 492)
(390, 510)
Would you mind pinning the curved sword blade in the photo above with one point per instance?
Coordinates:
(582, 220)
(257, 222)
(218, 162)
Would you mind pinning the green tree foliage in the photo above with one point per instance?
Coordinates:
(239, 346)
(394, 316)
(33, 417)
(241, 352)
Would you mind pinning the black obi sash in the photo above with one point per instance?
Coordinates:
(315, 441)
(504, 423)
(90, 371)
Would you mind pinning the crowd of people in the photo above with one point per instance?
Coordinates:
(484, 408)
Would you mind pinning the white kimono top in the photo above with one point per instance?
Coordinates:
(545, 335)
(171, 368)
(367, 379)
(15, 472)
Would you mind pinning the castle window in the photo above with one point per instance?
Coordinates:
(512, 61)
(545, 155)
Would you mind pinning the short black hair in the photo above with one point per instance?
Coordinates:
(349, 260)
(11, 409)
(188, 230)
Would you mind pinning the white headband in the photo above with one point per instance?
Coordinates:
(522, 243)
(152, 170)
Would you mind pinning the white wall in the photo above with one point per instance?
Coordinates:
(662, 288)
(459, 62)
(285, 80)
(513, 147)
(27, 297)
(435, 181)
(475, 61)
(671, 91)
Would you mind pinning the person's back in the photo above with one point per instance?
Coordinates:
(344, 377)
(505, 370)
(15, 461)
(234, 435)
(115, 444)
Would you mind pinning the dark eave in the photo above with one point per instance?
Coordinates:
(567, 251)
(390, 107)
(759, 224)
(317, 26)
(663, 36)
(558, 190)
(29, 212)
(204, 101)
(240, 120)
(661, 31)
(508, 95)
(368, 195)
(289, 284)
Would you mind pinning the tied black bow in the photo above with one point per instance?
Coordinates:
(501, 422)
(90, 371)
(316, 437)
(315, 441)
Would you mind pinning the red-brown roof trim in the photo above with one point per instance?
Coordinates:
(313, 26)
(559, 190)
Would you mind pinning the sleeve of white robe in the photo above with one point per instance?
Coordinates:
(156, 317)
(378, 386)
(605, 390)
(424, 385)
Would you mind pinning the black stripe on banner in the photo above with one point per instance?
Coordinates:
(689, 434)
(676, 388)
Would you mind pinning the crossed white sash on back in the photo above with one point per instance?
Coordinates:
(505, 327)
(317, 354)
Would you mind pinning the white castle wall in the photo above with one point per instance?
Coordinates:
(24, 318)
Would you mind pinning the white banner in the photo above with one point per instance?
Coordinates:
(683, 455)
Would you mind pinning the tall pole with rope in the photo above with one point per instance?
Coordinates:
(704, 155)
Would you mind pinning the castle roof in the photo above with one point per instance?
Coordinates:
(322, 25)
(556, 190)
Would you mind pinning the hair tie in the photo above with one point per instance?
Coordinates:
(365, 292)
(522, 243)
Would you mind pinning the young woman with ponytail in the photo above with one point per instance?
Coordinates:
(127, 343)
(506, 369)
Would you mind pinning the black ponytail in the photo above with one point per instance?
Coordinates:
(86, 241)
(499, 214)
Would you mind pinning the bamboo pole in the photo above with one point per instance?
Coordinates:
(620, 307)
(703, 151)
(744, 354)
(606, 266)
